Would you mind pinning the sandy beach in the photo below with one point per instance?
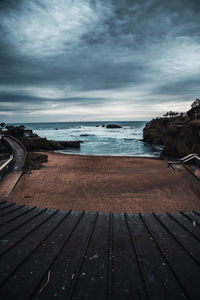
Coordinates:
(117, 184)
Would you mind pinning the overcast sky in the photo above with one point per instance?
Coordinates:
(82, 60)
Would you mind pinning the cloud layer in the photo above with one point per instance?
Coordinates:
(65, 60)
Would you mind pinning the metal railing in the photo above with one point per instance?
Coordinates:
(7, 167)
(191, 158)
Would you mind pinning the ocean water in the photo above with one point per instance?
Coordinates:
(98, 140)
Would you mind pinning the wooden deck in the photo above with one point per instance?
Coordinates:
(47, 254)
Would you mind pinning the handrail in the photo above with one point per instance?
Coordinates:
(191, 158)
(10, 163)
(6, 163)
(188, 156)
(7, 167)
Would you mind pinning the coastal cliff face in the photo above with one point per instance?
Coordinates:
(154, 131)
(178, 136)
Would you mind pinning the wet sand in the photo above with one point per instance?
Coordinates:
(117, 184)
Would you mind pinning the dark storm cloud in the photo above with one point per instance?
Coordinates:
(189, 87)
(30, 99)
(113, 52)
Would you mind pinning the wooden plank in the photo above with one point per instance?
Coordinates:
(95, 264)
(25, 280)
(110, 257)
(66, 269)
(155, 269)
(196, 212)
(194, 218)
(5, 205)
(20, 233)
(127, 279)
(186, 240)
(19, 221)
(14, 258)
(82, 256)
(186, 223)
(185, 269)
(10, 210)
(9, 218)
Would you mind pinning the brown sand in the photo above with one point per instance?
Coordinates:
(117, 184)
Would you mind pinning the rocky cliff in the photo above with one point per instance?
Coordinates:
(155, 130)
(179, 136)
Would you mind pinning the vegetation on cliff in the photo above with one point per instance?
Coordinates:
(179, 135)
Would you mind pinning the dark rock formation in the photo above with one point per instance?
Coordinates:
(16, 131)
(33, 142)
(179, 137)
(38, 143)
(112, 126)
(154, 131)
(35, 161)
(5, 147)
(69, 144)
(181, 140)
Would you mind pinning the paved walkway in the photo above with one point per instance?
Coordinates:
(19, 153)
(10, 180)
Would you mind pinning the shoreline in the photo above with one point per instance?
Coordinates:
(107, 184)
(163, 157)
(106, 156)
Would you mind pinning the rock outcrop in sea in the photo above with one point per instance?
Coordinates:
(179, 136)
(112, 126)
